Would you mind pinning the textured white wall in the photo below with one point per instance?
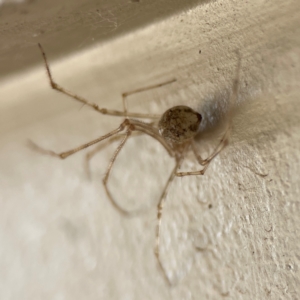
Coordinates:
(233, 232)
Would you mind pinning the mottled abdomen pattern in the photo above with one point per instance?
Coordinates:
(179, 123)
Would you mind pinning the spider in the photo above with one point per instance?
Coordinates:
(175, 130)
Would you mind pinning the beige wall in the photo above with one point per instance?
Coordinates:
(233, 232)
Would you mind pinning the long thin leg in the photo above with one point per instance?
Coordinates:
(140, 128)
(92, 153)
(153, 132)
(223, 143)
(160, 207)
(200, 160)
(235, 87)
(205, 162)
(95, 106)
(106, 176)
(65, 154)
(109, 168)
(200, 172)
(150, 87)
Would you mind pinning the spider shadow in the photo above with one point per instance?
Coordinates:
(216, 113)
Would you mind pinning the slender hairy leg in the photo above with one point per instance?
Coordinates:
(65, 154)
(109, 168)
(129, 132)
(95, 106)
(134, 125)
(150, 87)
(153, 132)
(235, 88)
(92, 153)
(223, 143)
(160, 207)
(205, 162)
(199, 172)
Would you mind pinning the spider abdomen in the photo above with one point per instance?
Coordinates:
(179, 123)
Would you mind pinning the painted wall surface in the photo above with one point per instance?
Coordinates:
(232, 233)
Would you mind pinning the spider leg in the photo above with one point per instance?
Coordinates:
(95, 106)
(235, 87)
(92, 153)
(130, 130)
(205, 162)
(160, 207)
(65, 154)
(223, 143)
(109, 168)
(135, 127)
(200, 160)
(150, 87)
(200, 172)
